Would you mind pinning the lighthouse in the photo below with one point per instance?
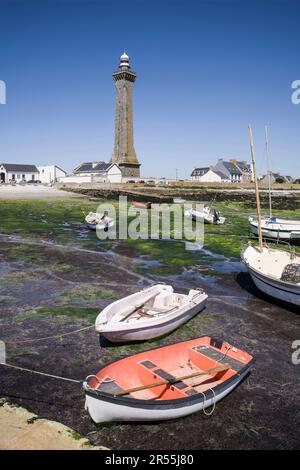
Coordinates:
(124, 154)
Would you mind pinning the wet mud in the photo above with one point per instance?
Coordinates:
(60, 289)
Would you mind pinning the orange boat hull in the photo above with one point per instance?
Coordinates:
(169, 363)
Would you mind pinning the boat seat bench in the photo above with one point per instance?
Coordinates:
(163, 374)
(218, 356)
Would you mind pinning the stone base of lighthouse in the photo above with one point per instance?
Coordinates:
(130, 170)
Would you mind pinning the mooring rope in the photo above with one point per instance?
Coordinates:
(209, 413)
(23, 369)
(33, 340)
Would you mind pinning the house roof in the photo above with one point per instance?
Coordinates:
(200, 171)
(88, 167)
(243, 166)
(224, 177)
(19, 167)
(232, 168)
(204, 170)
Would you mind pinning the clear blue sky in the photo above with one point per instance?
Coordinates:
(205, 70)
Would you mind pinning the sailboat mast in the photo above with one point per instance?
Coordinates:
(256, 190)
(269, 170)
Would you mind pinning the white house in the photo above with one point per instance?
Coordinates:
(209, 175)
(230, 169)
(50, 173)
(14, 172)
(97, 171)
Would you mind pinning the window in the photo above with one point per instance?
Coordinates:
(32, 177)
(23, 177)
(18, 176)
(13, 177)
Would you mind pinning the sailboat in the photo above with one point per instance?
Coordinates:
(275, 227)
(274, 271)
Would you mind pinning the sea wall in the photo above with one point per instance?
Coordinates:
(281, 199)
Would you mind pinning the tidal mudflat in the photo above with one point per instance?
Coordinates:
(55, 276)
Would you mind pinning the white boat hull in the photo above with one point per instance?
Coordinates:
(153, 331)
(102, 410)
(100, 226)
(277, 231)
(204, 216)
(275, 289)
(268, 283)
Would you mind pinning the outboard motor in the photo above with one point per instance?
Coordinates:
(105, 221)
(216, 216)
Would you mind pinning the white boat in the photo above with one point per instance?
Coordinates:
(167, 382)
(276, 228)
(178, 200)
(97, 221)
(206, 215)
(149, 313)
(274, 271)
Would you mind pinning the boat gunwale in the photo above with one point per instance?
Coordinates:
(263, 275)
(163, 404)
(155, 320)
(255, 225)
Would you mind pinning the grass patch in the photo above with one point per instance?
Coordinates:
(62, 221)
(15, 352)
(88, 293)
(76, 435)
(63, 311)
(5, 298)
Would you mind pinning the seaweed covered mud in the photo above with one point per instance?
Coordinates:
(55, 277)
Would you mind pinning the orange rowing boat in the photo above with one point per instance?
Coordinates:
(167, 382)
(142, 205)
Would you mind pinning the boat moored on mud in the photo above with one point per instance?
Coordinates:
(166, 383)
(206, 215)
(277, 229)
(142, 205)
(149, 313)
(274, 271)
(97, 221)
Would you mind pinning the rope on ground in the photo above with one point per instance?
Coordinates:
(209, 413)
(23, 369)
(50, 337)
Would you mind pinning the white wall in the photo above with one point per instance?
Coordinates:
(209, 177)
(75, 179)
(114, 174)
(19, 176)
(50, 173)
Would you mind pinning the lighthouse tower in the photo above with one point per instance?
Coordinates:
(124, 153)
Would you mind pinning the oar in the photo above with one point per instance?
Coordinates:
(174, 381)
(136, 308)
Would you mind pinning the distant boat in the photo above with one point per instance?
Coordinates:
(276, 228)
(149, 313)
(166, 383)
(96, 221)
(178, 200)
(142, 205)
(207, 215)
(274, 271)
